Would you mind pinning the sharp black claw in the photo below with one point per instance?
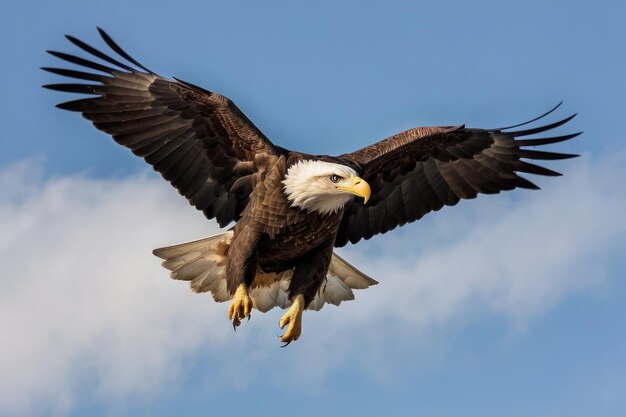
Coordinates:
(285, 345)
(249, 317)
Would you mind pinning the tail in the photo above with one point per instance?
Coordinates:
(203, 263)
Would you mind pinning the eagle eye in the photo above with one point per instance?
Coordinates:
(335, 178)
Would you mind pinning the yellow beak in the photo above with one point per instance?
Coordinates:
(359, 187)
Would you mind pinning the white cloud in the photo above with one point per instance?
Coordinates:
(86, 311)
(84, 302)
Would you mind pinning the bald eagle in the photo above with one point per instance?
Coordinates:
(290, 209)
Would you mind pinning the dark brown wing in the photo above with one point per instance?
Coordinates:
(423, 169)
(198, 140)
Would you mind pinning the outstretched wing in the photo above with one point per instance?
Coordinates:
(198, 140)
(423, 169)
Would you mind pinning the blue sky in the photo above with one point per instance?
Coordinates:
(467, 320)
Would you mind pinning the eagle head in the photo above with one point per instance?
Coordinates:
(321, 186)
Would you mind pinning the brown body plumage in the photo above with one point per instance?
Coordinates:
(290, 209)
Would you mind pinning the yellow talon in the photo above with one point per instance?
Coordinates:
(293, 318)
(241, 305)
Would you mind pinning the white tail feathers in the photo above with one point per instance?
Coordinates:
(203, 263)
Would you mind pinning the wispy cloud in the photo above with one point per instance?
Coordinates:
(86, 310)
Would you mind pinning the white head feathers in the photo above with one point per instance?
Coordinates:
(309, 186)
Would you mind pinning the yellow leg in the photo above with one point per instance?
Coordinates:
(292, 318)
(241, 305)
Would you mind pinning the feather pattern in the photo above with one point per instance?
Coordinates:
(195, 138)
(423, 169)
